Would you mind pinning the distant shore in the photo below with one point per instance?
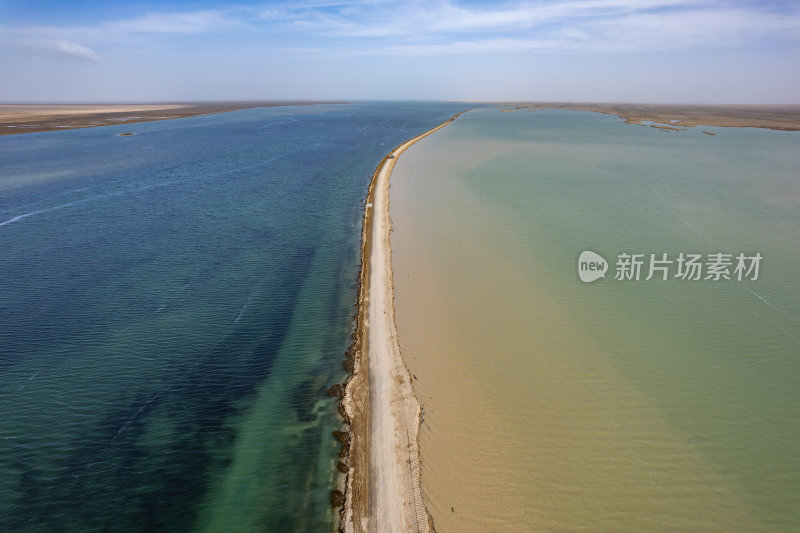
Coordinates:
(774, 117)
(382, 487)
(29, 118)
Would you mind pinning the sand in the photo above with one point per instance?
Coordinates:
(382, 487)
(24, 118)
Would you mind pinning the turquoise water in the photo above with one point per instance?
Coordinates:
(173, 305)
(611, 406)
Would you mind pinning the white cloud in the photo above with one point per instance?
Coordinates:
(398, 19)
(692, 28)
(196, 22)
(442, 27)
(61, 51)
(445, 26)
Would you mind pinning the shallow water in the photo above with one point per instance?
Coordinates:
(173, 305)
(555, 405)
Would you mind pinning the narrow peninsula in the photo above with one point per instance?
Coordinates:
(382, 487)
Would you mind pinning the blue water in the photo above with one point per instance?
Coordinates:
(173, 306)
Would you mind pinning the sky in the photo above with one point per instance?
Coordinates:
(648, 51)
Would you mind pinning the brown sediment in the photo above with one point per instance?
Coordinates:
(337, 498)
(341, 436)
(774, 117)
(360, 500)
(666, 128)
(30, 118)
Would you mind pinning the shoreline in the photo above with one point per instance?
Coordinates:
(674, 116)
(16, 119)
(378, 402)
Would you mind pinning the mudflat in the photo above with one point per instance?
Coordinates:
(29, 118)
(775, 117)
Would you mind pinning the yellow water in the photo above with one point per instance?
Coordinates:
(550, 405)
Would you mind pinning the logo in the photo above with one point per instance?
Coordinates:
(591, 266)
(663, 266)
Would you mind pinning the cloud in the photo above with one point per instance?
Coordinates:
(194, 22)
(398, 19)
(62, 51)
(440, 27)
(447, 26)
(692, 28)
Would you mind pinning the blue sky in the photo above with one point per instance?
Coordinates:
(681, 51)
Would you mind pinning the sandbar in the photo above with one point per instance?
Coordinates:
(29, 118)
(382, 489)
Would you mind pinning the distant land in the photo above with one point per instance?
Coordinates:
(774, 117)
(28, 118)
